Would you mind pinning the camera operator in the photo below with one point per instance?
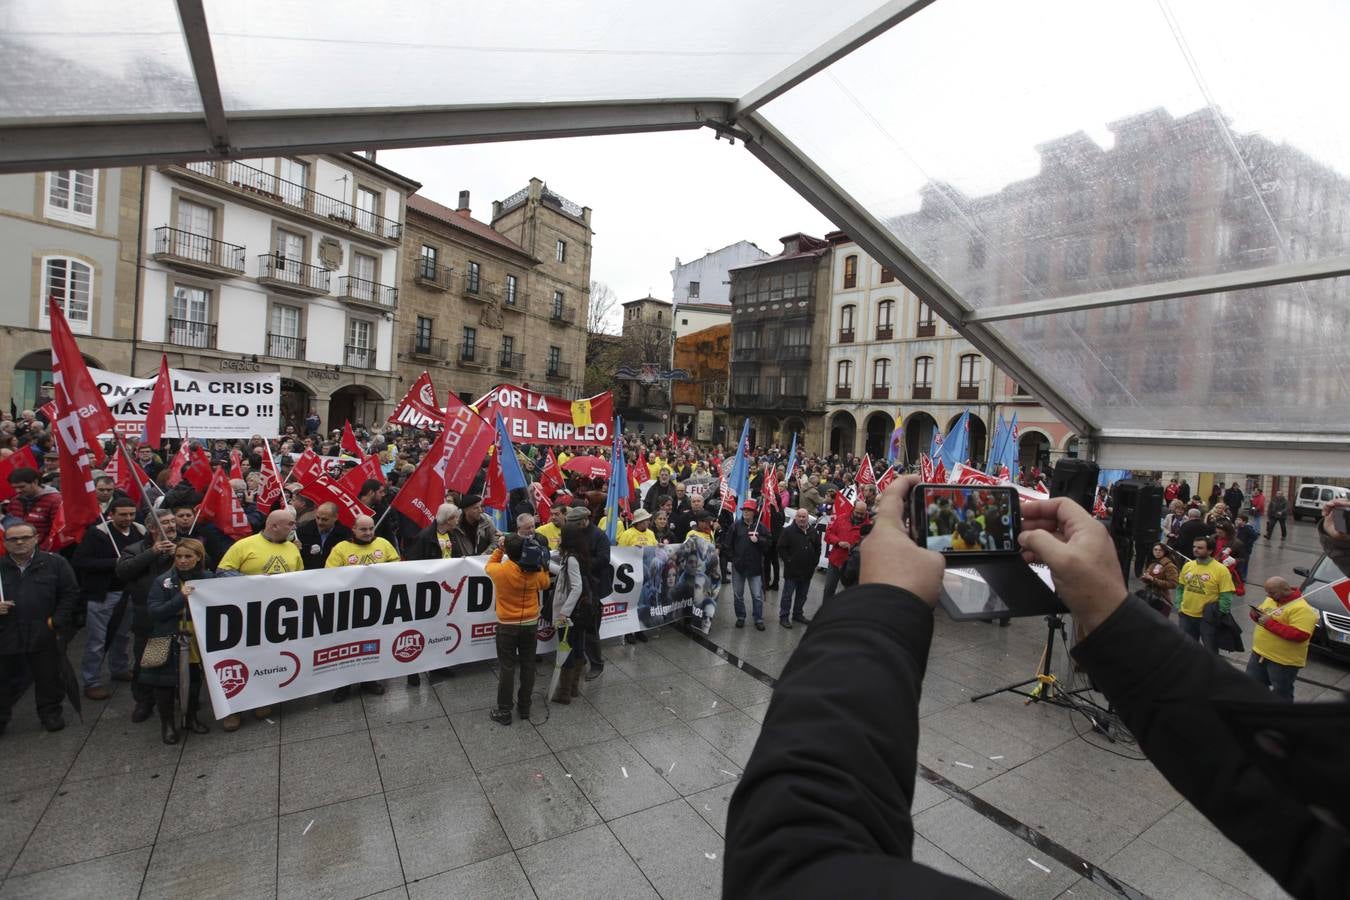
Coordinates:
(823, 805)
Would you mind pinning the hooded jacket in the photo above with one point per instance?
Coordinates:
(515, 592)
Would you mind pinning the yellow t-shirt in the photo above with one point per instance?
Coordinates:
(350, 553)
(1202, 584)
(551, 533)
(1280, 650)
(256, 555)
(631, 537)
(447, 542)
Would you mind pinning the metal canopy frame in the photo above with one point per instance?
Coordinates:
(146, 140)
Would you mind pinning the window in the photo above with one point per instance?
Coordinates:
(558, 305)
(1077, 258)
(290, 257)
(684, 321)
(846, 317)
(284, 338)
(422, 335)
(886, 314)
(968, 383)
(1020, 391)
(470, 348)
(475, 277)
(923, 378)
(1116, 317)
(1169, 244)
(360, 343)
(367, 209)
(71, 196)
(927, 321)
(887, 276)
(71, 283)
(1161, 311)
(363, 277)
(554, 360)
(1120, 252)
(1038, 264)
(508, 345)
(190, 317)
(426, 263)
(693, 290)
(510, 296)
(660, 317)
(561, 250)
(1078, 206)
(294, 180)
(850, 271)
(196, 227)
(881, 379)
(843, 378)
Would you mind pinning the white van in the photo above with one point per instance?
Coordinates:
(1311, 498)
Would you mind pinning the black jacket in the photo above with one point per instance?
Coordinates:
(746, 556)
(96, 558)
(799, 550)
(46, 589)
(1190, 531)
(426, 545)
(656, 493)
(137, 569)
(601, 573)
(308, 535)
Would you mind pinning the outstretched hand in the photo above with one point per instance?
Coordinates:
(889, 554)
(1080, 554)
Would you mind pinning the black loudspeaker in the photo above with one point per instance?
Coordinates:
(1136, 511)
(1075, 479)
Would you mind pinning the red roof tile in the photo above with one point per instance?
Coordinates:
(463, 222)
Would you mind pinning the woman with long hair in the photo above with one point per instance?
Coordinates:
(170, 618)
(1160, 580)
(573, 607)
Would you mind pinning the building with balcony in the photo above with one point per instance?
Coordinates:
(780, 311)
(479, 309)
(72, 235)
(889, 356)
(700, 403)
(646, 340)
(285, 264)
(701, 288)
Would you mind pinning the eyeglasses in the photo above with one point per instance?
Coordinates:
(14, 539)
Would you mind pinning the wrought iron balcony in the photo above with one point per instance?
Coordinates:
(371, 293)
(745, 354)
(476, 287)
(923, 392)
(187, 333)
(283, 346)
(268, 187)
(514, 362)
(843, 392)
(846, 335)
(562, 313)
(293, 275)
(426, 346)
(359, 357)
(515, 301)
(429, 274)
(927, 328)
(968, 392)
(559, 370)
(885, 332)
(197, 252)
(794, 352)
(473, 355)
(881, 392)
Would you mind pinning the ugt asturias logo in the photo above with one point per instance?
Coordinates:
(408, 645)
(232, 675)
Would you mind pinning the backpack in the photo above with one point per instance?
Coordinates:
(533, 558)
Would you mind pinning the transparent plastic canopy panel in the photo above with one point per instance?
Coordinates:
(353, 54)
(63, 59)
(1260, 361)
(1046, 149)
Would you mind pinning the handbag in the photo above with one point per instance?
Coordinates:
(156, 652)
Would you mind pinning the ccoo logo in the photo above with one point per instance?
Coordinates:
(408, 646)
(232, 675)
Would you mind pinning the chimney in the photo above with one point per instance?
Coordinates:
(463, 203)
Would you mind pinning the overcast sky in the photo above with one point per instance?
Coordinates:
(653, 196)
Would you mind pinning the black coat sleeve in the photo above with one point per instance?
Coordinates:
(823, 806)
(1165, 687)
(67, 593)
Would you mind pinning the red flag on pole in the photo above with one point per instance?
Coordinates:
(866, 475)
(307, 468)
(198, 472)
(349, 444)
(222, 507)
(161, 404)
(450, 465)
(926, 468)
(551, 478)
(1342, 591)
(419, 408)
(886, 478)
(22, 458)
(495, 495)
(768, 497)
(324, 490)
(641, 471)
(119, 469)
(369, 468)
(75, 388)
(541, 501)
(62, 534)
(236, 464)
(270, 491)
(181, 460)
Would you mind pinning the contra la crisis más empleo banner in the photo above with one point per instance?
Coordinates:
(269, 638)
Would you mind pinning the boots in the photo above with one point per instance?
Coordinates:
(167, 731)
(575, 684)
(563, 693)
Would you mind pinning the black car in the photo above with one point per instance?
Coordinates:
(1332, 635)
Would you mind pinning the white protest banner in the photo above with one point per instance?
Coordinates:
(207, 405)
(269, 638)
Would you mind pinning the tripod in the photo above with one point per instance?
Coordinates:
(1047, 689)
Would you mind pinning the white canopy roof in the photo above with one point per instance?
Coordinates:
(1136, 209)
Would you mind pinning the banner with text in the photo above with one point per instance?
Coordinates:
(535, 418)
(207, 405)
(269, 638)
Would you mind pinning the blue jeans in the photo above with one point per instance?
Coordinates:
(98, 643)
(793, 588)
(738, 583)
(1277, 677)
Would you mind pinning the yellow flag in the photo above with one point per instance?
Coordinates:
(581, 413)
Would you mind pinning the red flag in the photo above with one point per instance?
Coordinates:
(198, 471)
(768, 495)
(307, 468)
(176, 465)
(1004, 475)
(866, 475)
(541, 501)
(1040, 486)
(940, 472)
(450, 465)
(495, 495)
(1342, 591)
(728, 497)
(886, 478)
(349, 444)
(76, 391)
(369, 468)
(48, 411)
(161, 404)
(222, 507)
(22, 458)
(119, 469)
(926, 468)
(964, 474)
(77, 473)
(551, 478)
(270, 492)
(1099, 507)
(323, 490)
(641, 471)
(61, 534)
(236, 464)
(418, 408)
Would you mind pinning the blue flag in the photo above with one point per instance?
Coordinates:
(738, 479)
(792, 457)
(996, 446)
(956, 448)
(895, 451)
(506, 454)
(618, 483)
(1011, 449)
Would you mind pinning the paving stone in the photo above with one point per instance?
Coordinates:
(732, 733)
(318, 716)
(489, 744)
(1008, 863)
(108, 878)
(681, 693)
(1164, 876)
(574, 725)
(400, 703)
(1086, 829)
(688, 762)
(326, 770)
(713, 805)
(629, 708)
(599, 770)
(348, 851)
(929, 854)
(499, 878)
(444, 824)
(19, 815)
(588, 863)
(228, 863)
(671, 844)
(209, 794)
(1185, 833)
(117, 746)
(535, 801)
(734, 686)
(414, 752)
